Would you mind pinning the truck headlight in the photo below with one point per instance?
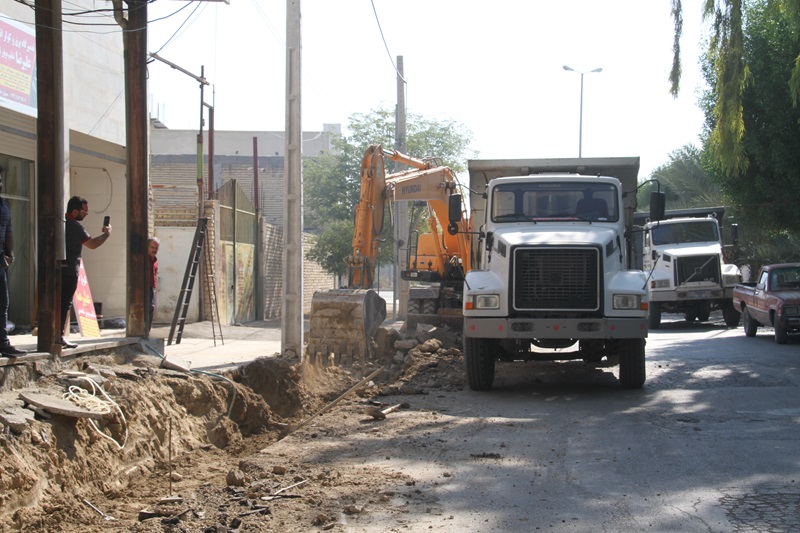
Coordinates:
(659, 284)
(487, 301)
(627, 301)
(791, 310)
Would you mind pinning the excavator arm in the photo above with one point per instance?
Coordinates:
(343, 321)
(424, 182)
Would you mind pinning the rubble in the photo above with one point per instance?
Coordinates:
(202, 453)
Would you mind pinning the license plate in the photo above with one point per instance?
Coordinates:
(700, 295)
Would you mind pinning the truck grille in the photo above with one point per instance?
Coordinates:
(697, 268)
(556, 278)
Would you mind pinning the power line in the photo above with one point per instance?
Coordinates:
(384, 41)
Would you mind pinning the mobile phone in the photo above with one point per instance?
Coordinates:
(106, 220)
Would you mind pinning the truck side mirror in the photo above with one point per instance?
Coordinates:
(735, 233)
(658, 202)
(453, 213)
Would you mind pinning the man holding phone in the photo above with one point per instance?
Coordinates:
(76, 237)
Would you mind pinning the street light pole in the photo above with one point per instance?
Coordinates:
(580, 122)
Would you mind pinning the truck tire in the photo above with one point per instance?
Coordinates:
(413, 306)
(780, 332)
(731, 315)
(654, 317)
(750, 325)
(703, 315)
(479, 363)
(632, 371)
(429, 307)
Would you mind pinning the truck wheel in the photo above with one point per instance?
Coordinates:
(654, 317)
(703, 315)
(731, 315)
(780, 332)
(429, 307)
(691, 316)
(750, 325)
(413, 306)
(632, 371)
(479, 363)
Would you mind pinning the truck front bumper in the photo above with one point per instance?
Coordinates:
(689, 295)
(531, 328)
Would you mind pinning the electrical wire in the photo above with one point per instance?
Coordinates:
(105, 405)
(175, 33)
(384, 41)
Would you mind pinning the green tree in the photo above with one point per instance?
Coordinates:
(332, 182)
(732, 73)
(764, 192)
(685, 182)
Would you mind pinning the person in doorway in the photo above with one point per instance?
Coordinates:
(7, 247)
(152, 251)
(75, 237)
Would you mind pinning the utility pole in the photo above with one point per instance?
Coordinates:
(51, 171)
(292, 306)
(136, 123)
(401, 230)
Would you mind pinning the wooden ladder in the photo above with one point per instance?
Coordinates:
(185, 294)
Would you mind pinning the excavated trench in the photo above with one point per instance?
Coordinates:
(54, 466)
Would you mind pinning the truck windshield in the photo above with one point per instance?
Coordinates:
(515, 202)
(685, 232)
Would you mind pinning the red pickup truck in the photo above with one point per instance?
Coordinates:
(773, 300)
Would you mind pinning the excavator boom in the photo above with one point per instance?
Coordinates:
(343, 321)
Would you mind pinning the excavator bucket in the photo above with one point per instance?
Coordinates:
(343, 322)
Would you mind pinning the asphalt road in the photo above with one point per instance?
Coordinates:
(709, 444)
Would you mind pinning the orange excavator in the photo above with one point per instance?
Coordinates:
(343, 321)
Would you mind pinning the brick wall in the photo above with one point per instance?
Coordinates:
(315, 278)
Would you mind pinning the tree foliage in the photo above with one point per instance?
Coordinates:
(732, 73)
(685, 181)
(765, 189)
(332, 182)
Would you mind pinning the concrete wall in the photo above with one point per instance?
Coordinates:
(173, 254)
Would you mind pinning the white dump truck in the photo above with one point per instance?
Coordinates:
(687, 273)
(552, 275)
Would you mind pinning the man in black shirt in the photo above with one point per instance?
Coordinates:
(75, 237)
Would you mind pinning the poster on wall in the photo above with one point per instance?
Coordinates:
(18, 67)
(83, 305)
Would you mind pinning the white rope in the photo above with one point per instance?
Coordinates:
(91, 402)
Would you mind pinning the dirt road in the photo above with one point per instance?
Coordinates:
(707, 445)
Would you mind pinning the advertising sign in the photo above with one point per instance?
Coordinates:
(17, 67)
(84, 306)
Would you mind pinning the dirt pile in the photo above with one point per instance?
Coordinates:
(193, 457)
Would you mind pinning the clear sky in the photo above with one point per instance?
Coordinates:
(494, 66)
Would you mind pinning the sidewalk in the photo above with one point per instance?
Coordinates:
(200, 346)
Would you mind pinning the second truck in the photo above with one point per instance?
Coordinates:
(684, 257)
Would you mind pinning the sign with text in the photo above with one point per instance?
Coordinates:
(18, 67)
(83, 305)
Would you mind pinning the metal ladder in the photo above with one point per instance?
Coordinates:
(185, 294)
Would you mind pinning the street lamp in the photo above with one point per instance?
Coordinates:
(580, 126)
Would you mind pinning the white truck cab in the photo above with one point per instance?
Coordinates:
(553, 277)
(686, 268)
